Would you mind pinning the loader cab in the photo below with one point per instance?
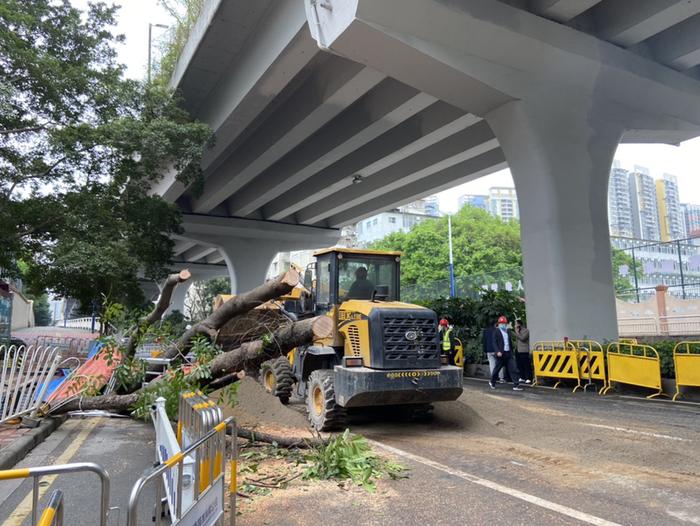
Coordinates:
(345, 274)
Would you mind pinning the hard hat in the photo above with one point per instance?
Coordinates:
(444, 322)
(502, 319)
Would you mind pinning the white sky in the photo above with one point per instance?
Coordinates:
(683, 161)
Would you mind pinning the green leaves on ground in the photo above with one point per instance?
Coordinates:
(350, 457)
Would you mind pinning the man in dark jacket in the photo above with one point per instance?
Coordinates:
(504, 347)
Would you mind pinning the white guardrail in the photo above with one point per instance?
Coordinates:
(24, 378)
(79, 323)
(659, 326)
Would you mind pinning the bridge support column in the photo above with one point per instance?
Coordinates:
(248, 261)
(560, 153)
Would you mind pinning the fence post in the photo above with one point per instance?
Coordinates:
(680, 267)
(661, 309)
(636, 281)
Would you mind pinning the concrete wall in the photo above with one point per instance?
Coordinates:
(22, 311)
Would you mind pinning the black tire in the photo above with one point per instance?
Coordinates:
(277, 378)
(420, 412)
(323, 412)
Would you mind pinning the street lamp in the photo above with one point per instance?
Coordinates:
(453, 292)
(150, 31)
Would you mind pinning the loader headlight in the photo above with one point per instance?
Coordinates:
(352, 362)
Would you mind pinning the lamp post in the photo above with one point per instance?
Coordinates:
(150, 39)
(453, 292)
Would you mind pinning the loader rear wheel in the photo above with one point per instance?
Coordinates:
(323, 412)
(277, 378)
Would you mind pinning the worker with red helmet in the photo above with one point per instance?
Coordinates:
(504, 349)
(447, 340)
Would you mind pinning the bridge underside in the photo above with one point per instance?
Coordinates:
(328, 112)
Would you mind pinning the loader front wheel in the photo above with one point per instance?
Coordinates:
(323, 411)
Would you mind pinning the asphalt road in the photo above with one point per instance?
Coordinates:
(500, 457)
(124, 447)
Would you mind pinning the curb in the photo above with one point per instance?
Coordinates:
(16, 451)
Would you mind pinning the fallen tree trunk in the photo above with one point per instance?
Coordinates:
(235, 306)
(283, 441)
(284, 339)
(166, 294)
(224, 367)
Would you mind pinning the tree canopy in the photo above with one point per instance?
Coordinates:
(80, 147)
(481, 243)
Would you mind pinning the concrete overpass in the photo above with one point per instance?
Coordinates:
(328, 111)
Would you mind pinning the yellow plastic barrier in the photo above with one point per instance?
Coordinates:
(591, 363)
(556, 360)
(686, 362)
(634, 364)
(459, 353)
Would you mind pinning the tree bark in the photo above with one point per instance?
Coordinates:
(115, 403)
(224, 367)
(172, 281)
(240, 304)
(282, 441)
(284, 339)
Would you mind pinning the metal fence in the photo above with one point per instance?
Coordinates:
(24, 378)
(675, 264)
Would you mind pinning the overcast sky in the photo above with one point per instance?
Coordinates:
(683, 161)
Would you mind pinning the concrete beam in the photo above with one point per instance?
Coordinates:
(197, 253)
(386, 106)
(321, 98)
(211, 230)
(183, 246)
(214, 258)
(463, 172)
(679, 46)
(561, 10)
(624, 24)
(455, 149)
(431, 125)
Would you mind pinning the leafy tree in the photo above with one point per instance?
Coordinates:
(481, 243)
(42, 313)
(620, 258)
(80, 146)
(202, 296)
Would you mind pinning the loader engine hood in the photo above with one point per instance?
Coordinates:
(401, 335)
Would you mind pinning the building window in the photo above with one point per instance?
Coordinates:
(392, 220)
(375, 221)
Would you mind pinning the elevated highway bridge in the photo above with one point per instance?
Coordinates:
(329, 111)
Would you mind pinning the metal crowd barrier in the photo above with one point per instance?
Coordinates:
(459, 353)
(25, 376)
(686, 362)
(193, 498)
(53, 514)
(634, 364)
(558, 360)
(591, 363)
(37, 473)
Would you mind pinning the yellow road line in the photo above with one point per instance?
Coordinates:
(24, 509)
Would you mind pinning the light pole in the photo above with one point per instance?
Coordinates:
(150, 32)
(453, 292)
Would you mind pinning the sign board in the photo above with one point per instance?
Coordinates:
(208, 508)
(5, 313)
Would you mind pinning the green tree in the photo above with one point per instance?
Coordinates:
(202, 296)
(620, 258)
(481, 243)
(80, 146)
(42, 313)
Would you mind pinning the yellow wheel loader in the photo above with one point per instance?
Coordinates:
(383, 351)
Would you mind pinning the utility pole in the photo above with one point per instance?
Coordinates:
(453, 292)
(150, 42)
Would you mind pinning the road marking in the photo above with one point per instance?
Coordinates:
(24, 509)
(511, 492)
(635, 432)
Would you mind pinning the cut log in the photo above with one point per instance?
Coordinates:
(114, 403)
(282, 441)
(235, 306)
(250, 326)
(283, 340)
(166, 295)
